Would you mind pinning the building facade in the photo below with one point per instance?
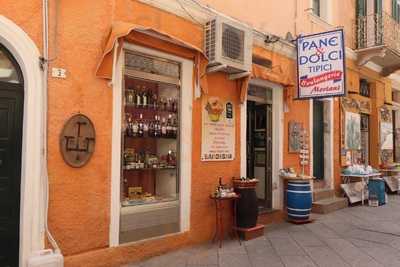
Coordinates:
(138, 69)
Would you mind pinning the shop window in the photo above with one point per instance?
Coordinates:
(317, 7)
(365, 88)
(150, 144)
(320, 8)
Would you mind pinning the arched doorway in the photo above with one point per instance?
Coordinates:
(11, 126)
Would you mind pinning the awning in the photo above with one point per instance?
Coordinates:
(156, 39)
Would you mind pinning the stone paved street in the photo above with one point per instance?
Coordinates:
(357, 236)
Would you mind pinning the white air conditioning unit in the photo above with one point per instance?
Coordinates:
(228, 46)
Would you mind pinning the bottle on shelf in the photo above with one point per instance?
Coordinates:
(134, 127)
(145, 128)
(163, 128)
(174, 128)
(155, 100)
(151, 128)
(140, 126)
(175, 105)
(144, 97)
(128, 130)
(130, 97)
(169, 126)
(138, 98)
(169, 104)
(157, 127)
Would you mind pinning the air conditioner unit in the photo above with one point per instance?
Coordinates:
(228, 46)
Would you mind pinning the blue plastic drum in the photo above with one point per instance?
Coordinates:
(299, 200)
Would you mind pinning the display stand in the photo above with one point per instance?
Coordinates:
(347, 178)
(219, 226)
(286, 179)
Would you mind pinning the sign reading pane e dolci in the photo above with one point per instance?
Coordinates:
(321, 65)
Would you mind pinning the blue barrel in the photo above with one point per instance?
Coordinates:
(299, 200)
(376, 186)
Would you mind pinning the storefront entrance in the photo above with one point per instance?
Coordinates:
(11, 119)
(318, 139)
(259, 142)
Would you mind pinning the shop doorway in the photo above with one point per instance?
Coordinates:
(259, 142)
(318, 140)
(11, 121)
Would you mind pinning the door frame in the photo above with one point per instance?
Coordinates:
(32, 204)
(277, 133)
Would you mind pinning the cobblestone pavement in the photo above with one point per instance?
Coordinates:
(359, 236)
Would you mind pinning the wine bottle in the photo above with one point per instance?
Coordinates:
(130, 97)
(163, 128)
(135, 128)
(144, 97)
(138, 98)
(140, 128)
(155, 100)
(174, 128)
(145, 128)
(169, 127)
(151, 129)
(128, 126)
(157, 130)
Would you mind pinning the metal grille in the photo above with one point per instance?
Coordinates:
(232, 43)
(210, 40)
(152, 65)
(377, 29)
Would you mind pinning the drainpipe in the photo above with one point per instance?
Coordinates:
(45, 178)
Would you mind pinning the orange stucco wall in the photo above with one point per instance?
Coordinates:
(79, 212)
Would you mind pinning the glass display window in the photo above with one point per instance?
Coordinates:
(150, 146)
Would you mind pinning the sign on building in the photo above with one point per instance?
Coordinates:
(321, 65)
(218, 132)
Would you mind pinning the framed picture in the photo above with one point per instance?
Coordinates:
(259, 158)
(294, 136)
(352, 130)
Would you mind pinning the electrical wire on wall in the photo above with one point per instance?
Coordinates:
(188, 13)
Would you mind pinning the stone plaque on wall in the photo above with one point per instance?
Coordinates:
(77, 141)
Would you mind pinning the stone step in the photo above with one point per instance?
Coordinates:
(328, 205)
(319, 194)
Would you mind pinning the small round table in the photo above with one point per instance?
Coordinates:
(219, 230)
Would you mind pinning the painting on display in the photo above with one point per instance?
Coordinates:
(352, 128)
(295, 136)
(354, 191)
(386, 135)
(218, 132)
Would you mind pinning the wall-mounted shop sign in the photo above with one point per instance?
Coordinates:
(321, 65)
(218, 133)
(77, 140)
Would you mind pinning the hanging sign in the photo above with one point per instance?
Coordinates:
(321, 65)
(218, 133)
